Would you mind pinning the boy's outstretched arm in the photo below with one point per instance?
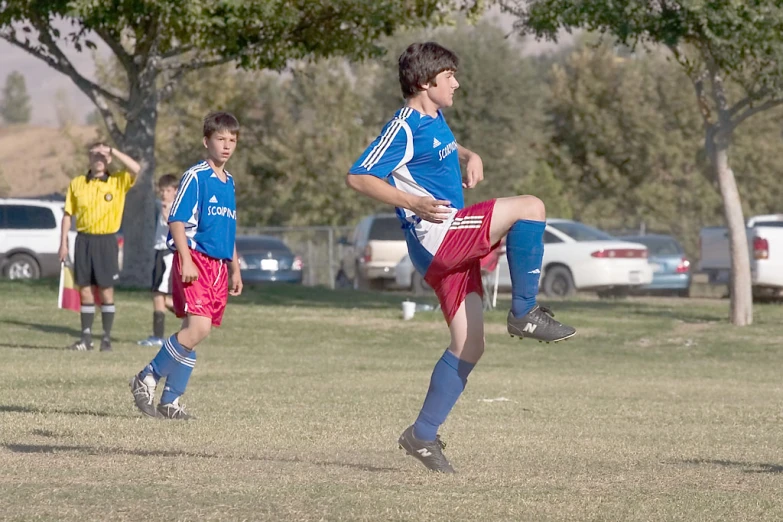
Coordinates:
(474, 167)
(426, 208)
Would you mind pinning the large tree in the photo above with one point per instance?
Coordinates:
(719, 45)
(156, 42)
(15, 103)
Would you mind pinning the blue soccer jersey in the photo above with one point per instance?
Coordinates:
(207, 206)
(417, 154)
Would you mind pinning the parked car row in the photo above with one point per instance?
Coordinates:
(578, 257)
(30, 239)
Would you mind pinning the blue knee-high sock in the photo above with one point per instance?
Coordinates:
(525, 252)
(163, 362)
(446, 385)
(178, 377)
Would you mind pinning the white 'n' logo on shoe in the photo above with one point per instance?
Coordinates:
(530, 328)
(424, 452)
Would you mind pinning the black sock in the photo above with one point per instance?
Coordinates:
(107, 318)
(158, 324)
(87, 316)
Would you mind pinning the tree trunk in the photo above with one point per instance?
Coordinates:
(138, 222)
(741, 309)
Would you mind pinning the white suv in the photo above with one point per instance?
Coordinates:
(369, 260)
(30, 238)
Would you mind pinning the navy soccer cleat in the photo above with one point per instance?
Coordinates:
(429, 453)
(539, 324)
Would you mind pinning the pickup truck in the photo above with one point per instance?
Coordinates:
(765, 242)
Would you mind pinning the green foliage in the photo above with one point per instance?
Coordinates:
(627, 142)
(259, 34)
(742, 39)
(296, 144)
(15, 103)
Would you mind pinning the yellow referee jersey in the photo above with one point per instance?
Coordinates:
(96, 203)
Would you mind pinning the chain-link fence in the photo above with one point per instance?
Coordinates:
(321, 248)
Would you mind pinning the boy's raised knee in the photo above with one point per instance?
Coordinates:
(532, 208)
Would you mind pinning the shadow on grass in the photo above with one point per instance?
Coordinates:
(91, 450)
(11, 408)
(31, 346)
(320, 297)
(748, 467)
(679, 312)
(46, 328)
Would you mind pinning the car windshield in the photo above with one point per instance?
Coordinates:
(580, 231)
(386, 229)
(260, 243)
(657, 246)
(768, 224)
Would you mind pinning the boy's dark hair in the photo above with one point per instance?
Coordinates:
(220, 121)
(168, 180)
(96, 144)
(420, 63)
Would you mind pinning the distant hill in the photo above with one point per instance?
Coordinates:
(41, 160)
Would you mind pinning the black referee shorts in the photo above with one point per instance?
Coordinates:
(161, 272)
(95, 261)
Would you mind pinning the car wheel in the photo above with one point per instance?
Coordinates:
(22, 266)
(558, 282)
(419, 285)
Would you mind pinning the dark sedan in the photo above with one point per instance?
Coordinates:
(266, 259)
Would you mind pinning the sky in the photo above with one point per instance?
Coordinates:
(44, 83)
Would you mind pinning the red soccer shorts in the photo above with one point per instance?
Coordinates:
(455, 270)
(206, 296)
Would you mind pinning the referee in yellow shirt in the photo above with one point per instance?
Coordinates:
(96, 200)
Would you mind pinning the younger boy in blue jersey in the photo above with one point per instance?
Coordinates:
(202, 225)
(415, 165)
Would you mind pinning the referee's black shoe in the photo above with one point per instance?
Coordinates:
(81, 346)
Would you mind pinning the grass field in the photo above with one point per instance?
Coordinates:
(657, 410)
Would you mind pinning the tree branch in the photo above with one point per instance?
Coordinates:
(177, 51)
(192, 65)
(119, 51)
(54, 57)
(67, 68)
(751, 111)
(748, 100)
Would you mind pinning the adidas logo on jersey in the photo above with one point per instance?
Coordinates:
(435, 143)
(213, 199)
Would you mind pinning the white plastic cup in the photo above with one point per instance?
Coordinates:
(408, 310)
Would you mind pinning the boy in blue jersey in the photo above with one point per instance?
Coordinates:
(202, 224)
(415, 165)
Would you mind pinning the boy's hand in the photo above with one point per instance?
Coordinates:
(432, 210)
(474, 171)
(235, 283)
(63, 253)
(189, 271)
